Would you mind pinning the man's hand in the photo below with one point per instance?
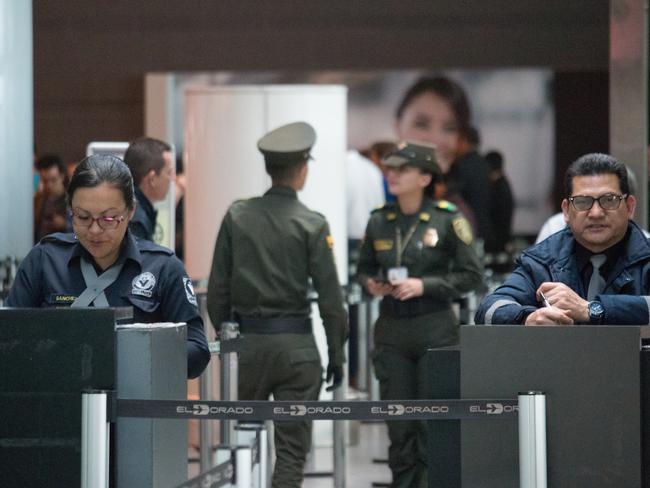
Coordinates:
(561, 296)
(378, 288)
(408, 288)
(335, 375)
(549, 316)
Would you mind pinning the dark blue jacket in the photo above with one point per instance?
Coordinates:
(143, 223)
(153, 281)
(625, 297)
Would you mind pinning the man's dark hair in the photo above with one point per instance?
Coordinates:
(284, 174)
(596, 164)
(143, 155)
(48, 161)
(473, 136)
(494, 160)
(94, 170)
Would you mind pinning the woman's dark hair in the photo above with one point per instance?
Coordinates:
(596, 164)
(445, 88)
(94, 170)
(430, 189)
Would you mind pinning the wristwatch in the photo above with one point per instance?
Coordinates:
(596, 312)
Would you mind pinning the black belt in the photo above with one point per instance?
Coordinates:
(413, 307)
(274, 325)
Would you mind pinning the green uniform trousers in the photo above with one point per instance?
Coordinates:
(400, 365)
(288, 367)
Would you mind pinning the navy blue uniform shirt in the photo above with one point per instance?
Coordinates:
(153, 281)
(143, 223)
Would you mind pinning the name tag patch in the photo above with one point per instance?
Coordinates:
(382, 244)
(143, 284)
(62, 299)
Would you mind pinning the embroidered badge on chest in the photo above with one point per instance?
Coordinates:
(189, 291)
(143, 284)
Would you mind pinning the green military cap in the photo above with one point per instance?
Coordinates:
(419, 155)
(288, 144)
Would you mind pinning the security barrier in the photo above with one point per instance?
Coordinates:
(530, 408)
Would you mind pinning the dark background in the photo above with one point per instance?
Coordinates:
(90, 57)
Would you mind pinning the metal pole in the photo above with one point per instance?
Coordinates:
(94, 440)
(264, 457)
(362, 347)
(339, 442)
(205, 391)
(373, 382)
(229, 379)
(244, 467)
(532, 439)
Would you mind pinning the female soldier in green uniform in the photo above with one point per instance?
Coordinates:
(417, 255)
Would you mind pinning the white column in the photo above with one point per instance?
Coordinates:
(16, 127)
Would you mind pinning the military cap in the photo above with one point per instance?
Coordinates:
(288, 144)
(419, 155)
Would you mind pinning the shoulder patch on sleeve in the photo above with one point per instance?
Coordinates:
(330, 241)
(189, 291)
(462, 229)
(445, 205)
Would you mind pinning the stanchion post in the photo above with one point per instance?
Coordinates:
(264, 457)
(94, 439)
(339, 443)
(532, 439)
(243, 467)
(362, 349)
(229, 378)
(373, 382)
(205, 392)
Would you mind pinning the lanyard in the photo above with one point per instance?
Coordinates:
(402, 246)
(95, 285)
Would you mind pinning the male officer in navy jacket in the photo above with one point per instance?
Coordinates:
(596, 271)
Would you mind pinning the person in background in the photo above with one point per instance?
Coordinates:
(267, 250)
(151, 165)
(595, 271)
(417, 255)
(435, 110)
(502, 204)
(49, 202)
(103, 265)
(376, 153)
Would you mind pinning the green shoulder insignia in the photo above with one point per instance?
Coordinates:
(445, 205)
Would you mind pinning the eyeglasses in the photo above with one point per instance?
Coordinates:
(105, 222)
(608, 201)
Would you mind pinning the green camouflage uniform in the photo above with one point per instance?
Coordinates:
(440, 253)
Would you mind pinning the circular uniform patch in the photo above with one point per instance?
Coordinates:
(463, 230)
(143, 284)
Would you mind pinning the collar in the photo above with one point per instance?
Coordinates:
(283, 191)
(559, 248)
(129, 250)
(583, 255)
(145, 204)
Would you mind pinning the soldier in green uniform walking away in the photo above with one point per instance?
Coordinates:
(417, 255)
(267, 250)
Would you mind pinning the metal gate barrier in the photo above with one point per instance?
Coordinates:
(99, 409)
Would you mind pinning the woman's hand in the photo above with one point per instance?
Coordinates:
(408, 288)
(378, 288)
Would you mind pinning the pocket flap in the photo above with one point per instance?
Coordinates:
(304, 356)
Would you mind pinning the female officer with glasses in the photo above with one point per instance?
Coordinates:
(416, 255)
(103, 265)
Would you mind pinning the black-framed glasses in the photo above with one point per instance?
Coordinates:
(106, 222)
(608, 201)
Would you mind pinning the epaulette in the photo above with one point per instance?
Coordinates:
(388, 209)
(149, 246)
(445, 205)
(60, 237)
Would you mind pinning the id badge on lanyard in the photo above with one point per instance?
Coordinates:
(398, 272)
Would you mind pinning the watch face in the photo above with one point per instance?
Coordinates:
(596, 309)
